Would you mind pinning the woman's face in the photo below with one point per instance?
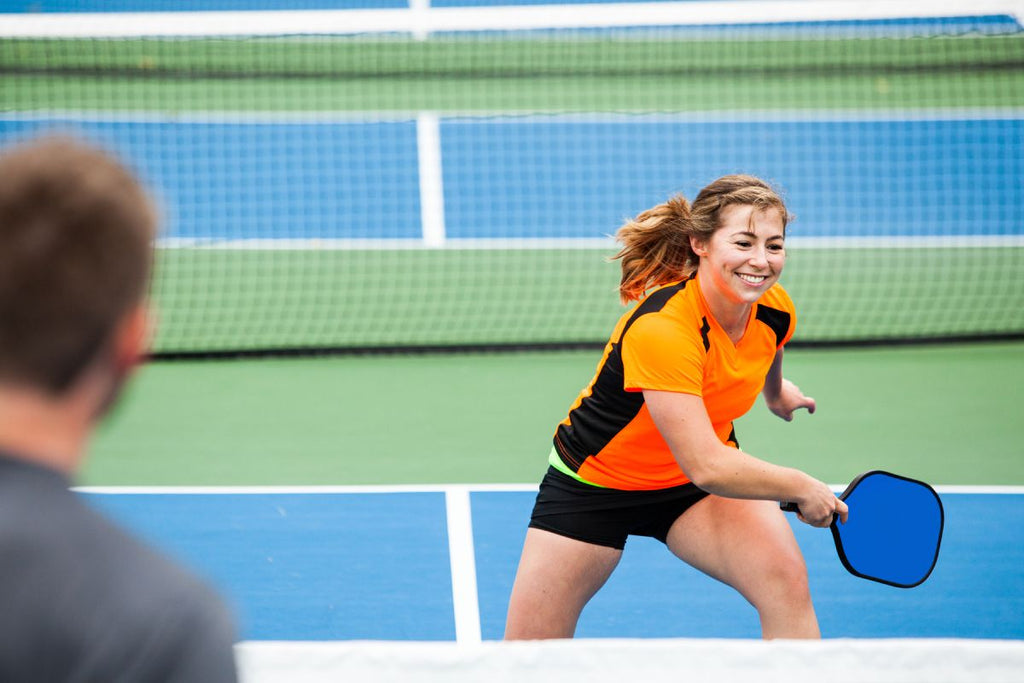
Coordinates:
(745, 256)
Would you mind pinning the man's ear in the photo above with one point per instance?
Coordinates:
(132, 338)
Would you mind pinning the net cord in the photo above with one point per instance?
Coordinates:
(652, 661)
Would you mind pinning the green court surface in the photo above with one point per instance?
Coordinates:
(623, 73)
(945, 414)
(499, 95)
(894, 295)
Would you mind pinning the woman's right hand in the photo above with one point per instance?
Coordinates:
(819, 506)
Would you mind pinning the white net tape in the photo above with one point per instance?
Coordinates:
(650, 661)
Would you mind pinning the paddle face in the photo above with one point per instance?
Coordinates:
(894, 529)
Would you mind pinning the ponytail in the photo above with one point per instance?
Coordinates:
(655, 248)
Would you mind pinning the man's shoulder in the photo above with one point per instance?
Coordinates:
(76, 584)
(128, 573)
(53, 525)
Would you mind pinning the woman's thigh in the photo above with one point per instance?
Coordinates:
(556, 578)
(747, 544)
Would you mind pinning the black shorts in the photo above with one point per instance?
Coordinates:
(571, 508)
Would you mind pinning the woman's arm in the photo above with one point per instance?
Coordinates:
(782, 396)
(726, 471)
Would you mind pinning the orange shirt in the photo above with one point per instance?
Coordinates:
(669, 342)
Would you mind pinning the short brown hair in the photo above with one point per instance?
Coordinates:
(76, 236)
(656, 244)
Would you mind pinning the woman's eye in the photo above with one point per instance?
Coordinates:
(743, 243)
(776, 247)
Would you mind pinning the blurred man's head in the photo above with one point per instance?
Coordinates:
(76, 235)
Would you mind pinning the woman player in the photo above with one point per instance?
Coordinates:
(649, 449)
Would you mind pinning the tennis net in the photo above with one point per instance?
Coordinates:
(420, 178)
(658, 661)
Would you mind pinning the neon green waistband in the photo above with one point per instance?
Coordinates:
(555, 461)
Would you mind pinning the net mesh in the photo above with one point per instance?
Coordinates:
(449, 188)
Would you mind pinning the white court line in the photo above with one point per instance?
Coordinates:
(418, 8)
(428, 488)
(435, 235)
(421, 21)
(204, 118)
(428, 147)
(986, 490)
(463, 565)
(303, 490)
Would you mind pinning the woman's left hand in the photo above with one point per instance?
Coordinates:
(789, 400)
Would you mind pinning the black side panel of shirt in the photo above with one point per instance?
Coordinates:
(609, 408)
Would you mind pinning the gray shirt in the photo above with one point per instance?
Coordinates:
(81, 600)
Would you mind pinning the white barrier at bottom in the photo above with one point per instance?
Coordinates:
(634, 660)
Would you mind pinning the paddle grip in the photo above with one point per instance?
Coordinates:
(793, 507)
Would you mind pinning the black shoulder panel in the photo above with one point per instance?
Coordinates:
(777, 320)
(652, 304)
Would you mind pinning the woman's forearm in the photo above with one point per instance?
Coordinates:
(734, 474)
(773, 380)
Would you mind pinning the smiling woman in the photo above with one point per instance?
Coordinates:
(741, 262)
(649, 447)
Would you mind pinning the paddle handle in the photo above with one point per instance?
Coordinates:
(793, 507)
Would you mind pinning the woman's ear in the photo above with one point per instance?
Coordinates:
(698, 246)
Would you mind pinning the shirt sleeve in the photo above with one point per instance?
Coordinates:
(659, 353)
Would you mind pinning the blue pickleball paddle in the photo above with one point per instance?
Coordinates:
(893, 531)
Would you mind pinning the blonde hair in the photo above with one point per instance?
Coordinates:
(656, 244)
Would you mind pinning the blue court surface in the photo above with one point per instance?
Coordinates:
(377, 563)
(522, 178)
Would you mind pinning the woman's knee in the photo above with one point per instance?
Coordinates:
(782, 578)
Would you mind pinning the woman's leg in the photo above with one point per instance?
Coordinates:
(557, 576)
(749, 545)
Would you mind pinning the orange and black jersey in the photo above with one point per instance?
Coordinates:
(669, 342)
